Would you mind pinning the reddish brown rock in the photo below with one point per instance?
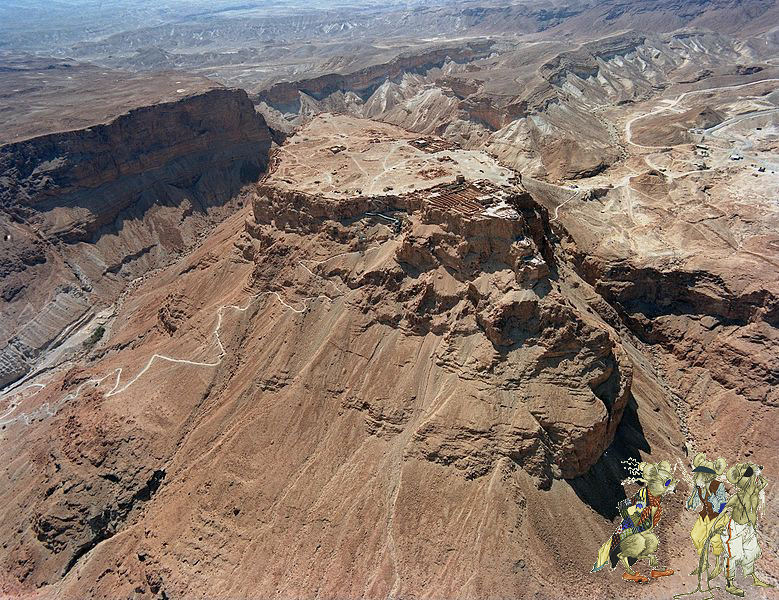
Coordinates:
(85, 211)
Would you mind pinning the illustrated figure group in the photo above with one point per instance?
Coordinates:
(726, 526)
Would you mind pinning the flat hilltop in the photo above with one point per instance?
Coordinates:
(42, 96)
(335, 156)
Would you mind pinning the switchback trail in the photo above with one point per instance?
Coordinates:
(46, 409)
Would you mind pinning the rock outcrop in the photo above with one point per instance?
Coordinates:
(357, 394)
(482, 279)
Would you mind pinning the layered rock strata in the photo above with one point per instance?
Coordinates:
(85, 211)
(342, 395)
(473, 268)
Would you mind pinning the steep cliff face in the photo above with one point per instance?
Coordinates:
(434, 361)
(89, 176)
(85, 211)
(701, 306)
(342, 395)
(701, 320)
(485, 285)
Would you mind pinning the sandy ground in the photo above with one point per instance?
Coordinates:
(337, 156)
(42, 96)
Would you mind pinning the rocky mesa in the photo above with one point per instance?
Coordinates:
(347, 384)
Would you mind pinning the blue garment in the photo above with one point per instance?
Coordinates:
(718, 499)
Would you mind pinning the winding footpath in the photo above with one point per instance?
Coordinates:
(559, 206)
(46, 409)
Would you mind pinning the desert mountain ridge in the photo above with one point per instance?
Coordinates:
(317, 304)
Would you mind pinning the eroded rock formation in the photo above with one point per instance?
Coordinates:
(553, 382)
(373, 394)
(85, 211)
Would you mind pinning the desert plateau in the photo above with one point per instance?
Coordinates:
(467, 299)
